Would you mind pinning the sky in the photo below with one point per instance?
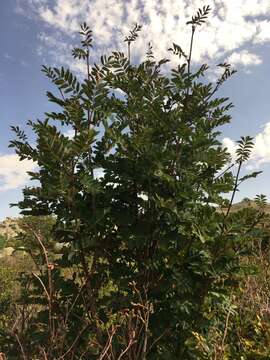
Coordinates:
(36, 32)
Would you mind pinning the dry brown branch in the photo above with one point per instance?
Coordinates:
(157, 339)
(131, 342)
(44, 353)
(108, 345)
(43, 285)
(75, 341)
(49, 291)
(21, 347)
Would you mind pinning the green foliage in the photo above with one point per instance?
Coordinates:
(6, 292)
(244, 148)
(147, 263)
(201, 16)
(133, 34)
(227, 73)
(261, 200)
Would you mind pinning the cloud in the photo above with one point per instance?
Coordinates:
(59, 50)
(244, 58)
(263, 32)
(28, 7)
(13, 172)
(70, 133)
(261, 150)
(231, 147)
(232, 26)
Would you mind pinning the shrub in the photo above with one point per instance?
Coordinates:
(150, 246)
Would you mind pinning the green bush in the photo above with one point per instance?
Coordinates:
(152, 255)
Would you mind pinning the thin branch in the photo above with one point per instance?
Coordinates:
(21, 347)
(49, 292)
(224, 172)
(44, 354)
(109, 342)
(190, 50)
(74, 302)
(43, 285)
(234, 189)
(225, 332)
(131, 342)
(75, 341)
(129, 51)
(88, 77)
(157, 339)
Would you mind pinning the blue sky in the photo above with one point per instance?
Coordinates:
(36, 32)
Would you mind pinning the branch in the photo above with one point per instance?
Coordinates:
(75, 341)
(225, 331)
(109, 342)
(157, 339)
(234, 189)
(43, 285)
(131, 342)
(21, 347)
(48, 292)
(190, 50)
(224, 172)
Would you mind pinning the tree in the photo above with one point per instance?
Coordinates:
(150, 249)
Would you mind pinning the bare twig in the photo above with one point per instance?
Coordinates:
(21, 347)
(44, 353)
(109, 342)
(190, 50)
(43, 285)
(234, 189)
(49, 291)
(225, 171)
(157, 339)
(75, 341)
(131, 342)
(225, 333)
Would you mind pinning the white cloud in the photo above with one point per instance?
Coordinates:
(231, 26)
(70, 133)
(263, 28)
(244, 58)
(13, 172)
(231, 147)
(59, 50)
(261, 150)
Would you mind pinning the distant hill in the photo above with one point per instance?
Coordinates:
(9, 227)
(249, 203)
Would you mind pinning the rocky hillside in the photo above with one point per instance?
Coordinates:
(9, 227)
(249, 203)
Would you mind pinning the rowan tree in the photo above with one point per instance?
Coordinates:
(138, 200)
